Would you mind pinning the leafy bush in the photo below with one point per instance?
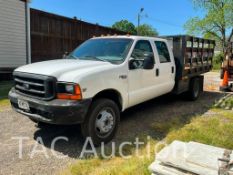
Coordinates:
(217, 61)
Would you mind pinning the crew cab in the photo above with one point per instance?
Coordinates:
(107, 75)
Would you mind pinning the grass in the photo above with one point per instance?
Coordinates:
(114, 166)
(216, 130)
(4, 89)
(213, 128)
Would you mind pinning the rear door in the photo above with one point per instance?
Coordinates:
(166, 66)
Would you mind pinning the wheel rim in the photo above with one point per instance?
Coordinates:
(105, 122)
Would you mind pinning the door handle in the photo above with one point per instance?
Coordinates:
(157, 72)
(173, 69)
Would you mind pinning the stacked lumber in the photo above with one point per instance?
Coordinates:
(180, 158)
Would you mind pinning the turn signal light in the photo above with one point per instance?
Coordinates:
(69, 97)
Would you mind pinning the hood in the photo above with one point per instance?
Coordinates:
(57, 68)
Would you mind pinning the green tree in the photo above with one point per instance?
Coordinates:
(125, 26)
(146, 30)
(217, 22)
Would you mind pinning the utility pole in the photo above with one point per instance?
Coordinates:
(139, 19)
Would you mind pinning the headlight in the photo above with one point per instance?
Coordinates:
(69, 91)
(69, 88)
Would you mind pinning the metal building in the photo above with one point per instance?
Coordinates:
(14, 34)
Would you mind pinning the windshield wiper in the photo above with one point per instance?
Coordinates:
(95, 58)
(74, 56)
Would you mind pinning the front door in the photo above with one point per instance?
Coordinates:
(142, 82)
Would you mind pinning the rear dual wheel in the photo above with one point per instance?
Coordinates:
(194, 89)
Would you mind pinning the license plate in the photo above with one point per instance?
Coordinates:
(23, 105)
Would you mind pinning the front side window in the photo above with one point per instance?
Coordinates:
(163, 52)
(111, 50)
(141, 50)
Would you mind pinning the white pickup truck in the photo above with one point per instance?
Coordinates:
(105, 76)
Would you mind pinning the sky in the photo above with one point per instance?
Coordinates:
(166, 16)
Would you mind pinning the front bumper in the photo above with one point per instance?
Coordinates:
(60, 112)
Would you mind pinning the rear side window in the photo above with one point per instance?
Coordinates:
(163, 52)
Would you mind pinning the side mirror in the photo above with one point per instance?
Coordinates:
(132, 64)
(136, 64)
(65, 55)
(148, 62)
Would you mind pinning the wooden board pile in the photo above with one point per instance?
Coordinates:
(180, 158)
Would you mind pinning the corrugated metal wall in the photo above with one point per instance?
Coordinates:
(53, 35)
(12, 34)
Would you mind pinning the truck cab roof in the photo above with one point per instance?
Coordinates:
(130, 37)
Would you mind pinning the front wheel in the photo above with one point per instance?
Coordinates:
(101, 121)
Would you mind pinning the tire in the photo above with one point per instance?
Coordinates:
(194, 89)
(101, 122)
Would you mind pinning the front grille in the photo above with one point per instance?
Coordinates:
(38, 86)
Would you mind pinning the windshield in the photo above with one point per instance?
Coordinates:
(111, 50)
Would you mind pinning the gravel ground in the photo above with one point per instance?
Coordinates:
(135, 121)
